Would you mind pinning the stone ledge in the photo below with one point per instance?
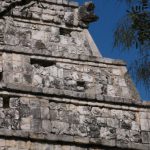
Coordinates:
(68, 94)
(111, 105)
(79, 97)
(90, 60)
(85, 141)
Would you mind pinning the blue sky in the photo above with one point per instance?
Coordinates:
(110, 12)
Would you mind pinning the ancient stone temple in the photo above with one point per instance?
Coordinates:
(56, 90)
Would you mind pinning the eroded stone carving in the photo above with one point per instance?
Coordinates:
(58, 118)
(31, 9)
(86, 13)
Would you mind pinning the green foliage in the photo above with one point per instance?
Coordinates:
(134, 30)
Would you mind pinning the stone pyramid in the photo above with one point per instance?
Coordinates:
(56, 90)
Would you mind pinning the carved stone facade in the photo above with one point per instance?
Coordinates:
(56, 90)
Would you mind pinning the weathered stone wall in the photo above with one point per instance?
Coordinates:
(65, 120)
(74, 79)
(56, 91)
(44, 40)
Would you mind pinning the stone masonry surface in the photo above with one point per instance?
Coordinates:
(56, 90)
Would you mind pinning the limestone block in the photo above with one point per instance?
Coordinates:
(123, 135)
(24, 100)
(60, 127)
(12, 144)
(117, 114)
(38, 35)
(82, 130)
(35, 16)
(143, 115)
(8, 66)
(2, 142)
(144, 124)
(135, 126)
(34, 102)
(60, 73)
(44, 103)
(57, 147)
(45, 113)
(102, 122)
(14, 102)
(55, 31)
(66, 147)
(17, 115)
(111, 91)
(113, 123)
(126, 124)
(24, 145)
(1, 102)
(145, 137)
(63, 116)
(57, 20)
(125, 92)
(65, 2)
(75, 75)
(148, 115)
(18, 77)
(107, 133)
(116, 72)
(2, 114)
(139, 146)
(96, 111)
(73, 118)
(27, 79)
(46, 126)
(54, 115)
(135, 136)
(122, 82)
(101, 89)
(93, 130)
(24, 110)
(59, 1)
(105, 112)
(35, 112)
(25, 123)
(53, 105)
(51, 12)
(83, 110)
(17, 66)
(53, 71)
(17, 57)
(87, 77)
(36, 125)
(12, 40)
(47, 17)
(90, 93)
(129, 115)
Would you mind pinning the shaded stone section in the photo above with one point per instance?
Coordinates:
(33, 9)
(90, 81)
(95, 123)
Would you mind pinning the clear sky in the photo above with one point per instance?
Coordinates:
(110, 12)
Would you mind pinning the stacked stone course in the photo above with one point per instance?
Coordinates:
(56, 90)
